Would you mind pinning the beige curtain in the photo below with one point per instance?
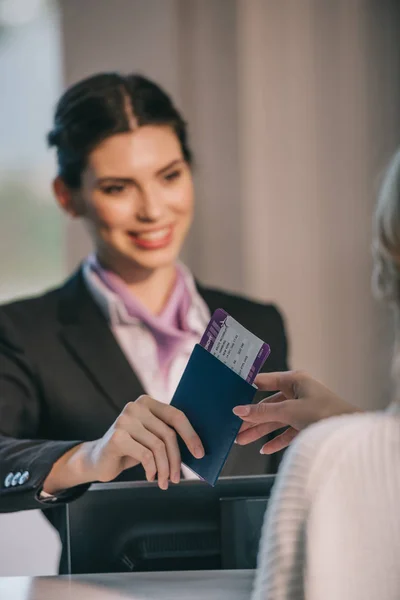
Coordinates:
(293, 108)
(319, 98)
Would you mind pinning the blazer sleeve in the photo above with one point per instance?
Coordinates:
(25, 461)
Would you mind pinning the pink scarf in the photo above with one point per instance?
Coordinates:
(170, 327)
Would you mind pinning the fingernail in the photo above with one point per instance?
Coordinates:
(264, 451)
(176, 477)
(198, 452)
(241, 411)
(163, 485)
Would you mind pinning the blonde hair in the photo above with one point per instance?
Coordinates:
(386, 248)
(386, 242)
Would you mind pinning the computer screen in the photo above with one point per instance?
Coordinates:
(135, 526)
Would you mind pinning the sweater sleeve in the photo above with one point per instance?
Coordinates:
(332, 527)
(282, 572)
(280, 561)
(282, 557)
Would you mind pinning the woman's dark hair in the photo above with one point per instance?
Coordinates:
(104, 105)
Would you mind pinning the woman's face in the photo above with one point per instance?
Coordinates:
(137, 198)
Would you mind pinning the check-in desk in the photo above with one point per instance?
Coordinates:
(189, 585)
(120, 533)
(136, 527)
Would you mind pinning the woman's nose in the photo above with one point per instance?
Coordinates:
(150, 208)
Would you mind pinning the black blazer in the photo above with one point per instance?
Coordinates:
(64, 379)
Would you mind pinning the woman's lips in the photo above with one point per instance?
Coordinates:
(152, 240)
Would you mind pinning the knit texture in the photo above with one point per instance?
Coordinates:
(332, 530)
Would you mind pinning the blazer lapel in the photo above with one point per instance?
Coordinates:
(88, 337)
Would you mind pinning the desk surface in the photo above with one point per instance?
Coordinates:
(196, 585)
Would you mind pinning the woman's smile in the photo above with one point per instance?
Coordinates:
(153, 239)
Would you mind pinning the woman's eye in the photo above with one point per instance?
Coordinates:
(113, 190)
(172, 176)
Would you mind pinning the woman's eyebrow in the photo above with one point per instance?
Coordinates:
(173, 163)
(130, 180)
(114, 179)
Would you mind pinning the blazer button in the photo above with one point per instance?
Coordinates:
(8, 480)
(23, 478)
(15, 479)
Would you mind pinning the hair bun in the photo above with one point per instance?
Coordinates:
(101, 106)
(54, 137)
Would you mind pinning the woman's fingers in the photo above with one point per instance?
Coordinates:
(265, 412)
(156, 446)
(251, 434)
(168, 435)
(280, 441)
(270, 382)
(132, 452)
(178, 421)
(155, 426)
(278, 397)
(286, 382)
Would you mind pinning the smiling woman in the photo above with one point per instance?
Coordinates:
(77, 363)
(136, 197)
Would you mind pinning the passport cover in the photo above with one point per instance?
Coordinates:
(207, 393)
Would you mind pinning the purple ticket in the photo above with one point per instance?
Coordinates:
(234, 345)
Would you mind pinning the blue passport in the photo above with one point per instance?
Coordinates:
(207, 393)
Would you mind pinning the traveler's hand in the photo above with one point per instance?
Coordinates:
(144, 433)
(299, 402)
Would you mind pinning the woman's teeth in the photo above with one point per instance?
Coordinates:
(153, 235)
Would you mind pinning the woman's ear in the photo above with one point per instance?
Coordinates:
(68, 199)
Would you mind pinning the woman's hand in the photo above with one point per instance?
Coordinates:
(144, 433)
(299, 402)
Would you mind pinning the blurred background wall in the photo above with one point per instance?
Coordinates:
(293, 108)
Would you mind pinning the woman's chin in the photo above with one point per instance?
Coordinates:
(152, 260)
(122, 256)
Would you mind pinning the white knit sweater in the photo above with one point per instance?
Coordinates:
(332, 531)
